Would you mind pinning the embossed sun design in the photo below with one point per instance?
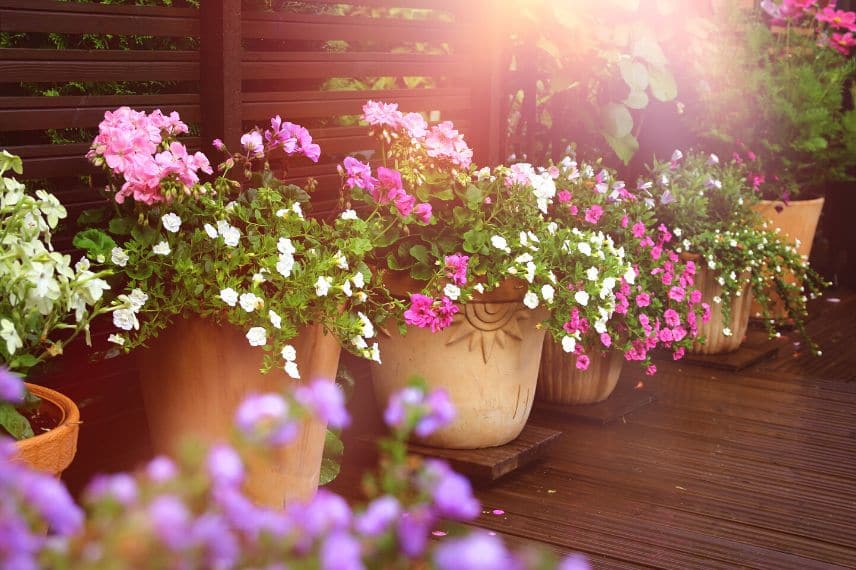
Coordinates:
(488, 325)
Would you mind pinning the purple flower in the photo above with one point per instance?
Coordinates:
(341, 551)
(265, 419)
(51, 500)
(477, 551)
(378, 517)
(120, 487)
(18, 545)
(11, 387)
(574, 562)
(161, 469)
(413, 529)
(452, 493)
(170, 521)
(225, 466)
(326, 400)
(325, 512)
(440, 412)
(211, 531)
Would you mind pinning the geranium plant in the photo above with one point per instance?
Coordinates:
(46, 301)
(237, 249)
(657, 304)
(775, 95)
(458, 231)
(708, 201)
(192, 513)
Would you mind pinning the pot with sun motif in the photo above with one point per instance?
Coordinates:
(487, 360)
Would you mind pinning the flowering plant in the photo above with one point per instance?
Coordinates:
(656, 304)
(472, 229)
(709, 201)
(45, 301)
(776, 95)
(192, 513)
(237, 251)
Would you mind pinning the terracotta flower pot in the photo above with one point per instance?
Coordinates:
(52, 451)
(487, 361)
(197, 373)
(561, 382)
(716, 342)
(798, 221)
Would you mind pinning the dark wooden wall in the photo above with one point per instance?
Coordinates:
(251, 65)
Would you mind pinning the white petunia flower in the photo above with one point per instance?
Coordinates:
(250, 302)
(530, 272)
(82, 265)
(368, 326)
(137, 299)
(125, 319)
(358, 280)
(291, 369)
(581, 297)
(500, 242)
(322, 285)
(479, 288)
(116, 339)
(359, 342)
(232, 236)
(346, 289)
(161, 248)
(630, 276)
(171, 222)
(548, 293)
(452, 291)
(584, 247)
(259, 278)
(285, 264)
(289, 353)
(257, 336)
(9, 334)
(726, 331)
(530, 300)
(552, 227)
(341, 260)
(297, 209)
(374, 353)
(592, 273)
(119, 257)
(275, 319)
(569, 344)
(229, 296)
(349, 215)
(285, 247)
(211, 231)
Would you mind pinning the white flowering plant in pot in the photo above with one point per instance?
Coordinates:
(450, 232)
(46, 301)
(237, 249)
(710, 201)
(657, 304)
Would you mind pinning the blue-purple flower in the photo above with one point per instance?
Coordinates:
(326, 400)
(451, 492)
(379, 516)
(410, 406)
(477, 551)
(225, 466)
(11, 387)
(341, 551)
(265, 419)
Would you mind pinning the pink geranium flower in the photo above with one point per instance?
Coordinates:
(443, 141)
(563, 196)
(423, 212)
(376, 113)
(358, 175)
(593, 214)
(252, 143)
(456, 268)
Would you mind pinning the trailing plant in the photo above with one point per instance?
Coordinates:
(192, 513)
(238, 251)
(708, 203)
(655, 306)
(776, 95)
(46, 302)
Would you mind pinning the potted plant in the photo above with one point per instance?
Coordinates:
(46, 302)
(657, 305)
(773, 96)
(220, 267)
(471, 252)
(739, 256)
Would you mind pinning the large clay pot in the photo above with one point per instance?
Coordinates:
(487, 361)
(798, 221)
(715, 341)
(198, 372)
(52, 451)
(561, 382)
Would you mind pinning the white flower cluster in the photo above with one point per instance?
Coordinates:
(230, 234)
(359, 341)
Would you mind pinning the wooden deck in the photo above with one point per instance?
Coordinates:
(755, 469)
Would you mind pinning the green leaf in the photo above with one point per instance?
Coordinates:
(90, 217)
(95, 242)
(663, 85)
(648, 49)
(634, 73)
(474, 239)
(473, 196)
(14, 423)
(9, 160)
(139, 272)
(422, 272)
(623, 147)
(333, 446)
(393, 262)
(145, 235)
(617, 120)
(420, 253)
(121, 226)
(636, 100)
(329, 471)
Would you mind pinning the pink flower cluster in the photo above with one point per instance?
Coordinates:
(456, 268)
(140, 148)
(441, 141)
(840, 24)
(385, 189)
(291, 138)
(427, 313)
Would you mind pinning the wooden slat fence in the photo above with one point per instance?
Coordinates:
(251, 64)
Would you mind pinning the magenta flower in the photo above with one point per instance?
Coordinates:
(359, 175)
(842, 43)
(11, 387)
(679, 353)
(671, 317)
(837, 18)
(376, 113)
(265, 419)
(161, 469)
(443, 141)
(415, 125)
(430, 413)
(404, 203)
(326, 400)
(605, 339)
(422, 212)
(638, 230)
(593, 214)
(651, 370)
(643, 300)
(677, 294)
(325, 512)
(456, 268)
(695, 296)
(390, 185)
(426, 313)
(564, 196)
(341, 551)
(583, 362)
(252, 143)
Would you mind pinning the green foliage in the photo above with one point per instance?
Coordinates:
(14, 423)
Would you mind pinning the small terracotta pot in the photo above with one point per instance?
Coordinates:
(798, 220)
(53, 451)
(561, 382)
(198, 372)
(715, 341)
(487, 361)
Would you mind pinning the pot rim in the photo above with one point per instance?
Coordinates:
(70, 415)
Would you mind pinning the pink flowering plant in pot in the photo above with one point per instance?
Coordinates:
(191, 512)
(237, 249)
(656, 304)
(707, 203)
